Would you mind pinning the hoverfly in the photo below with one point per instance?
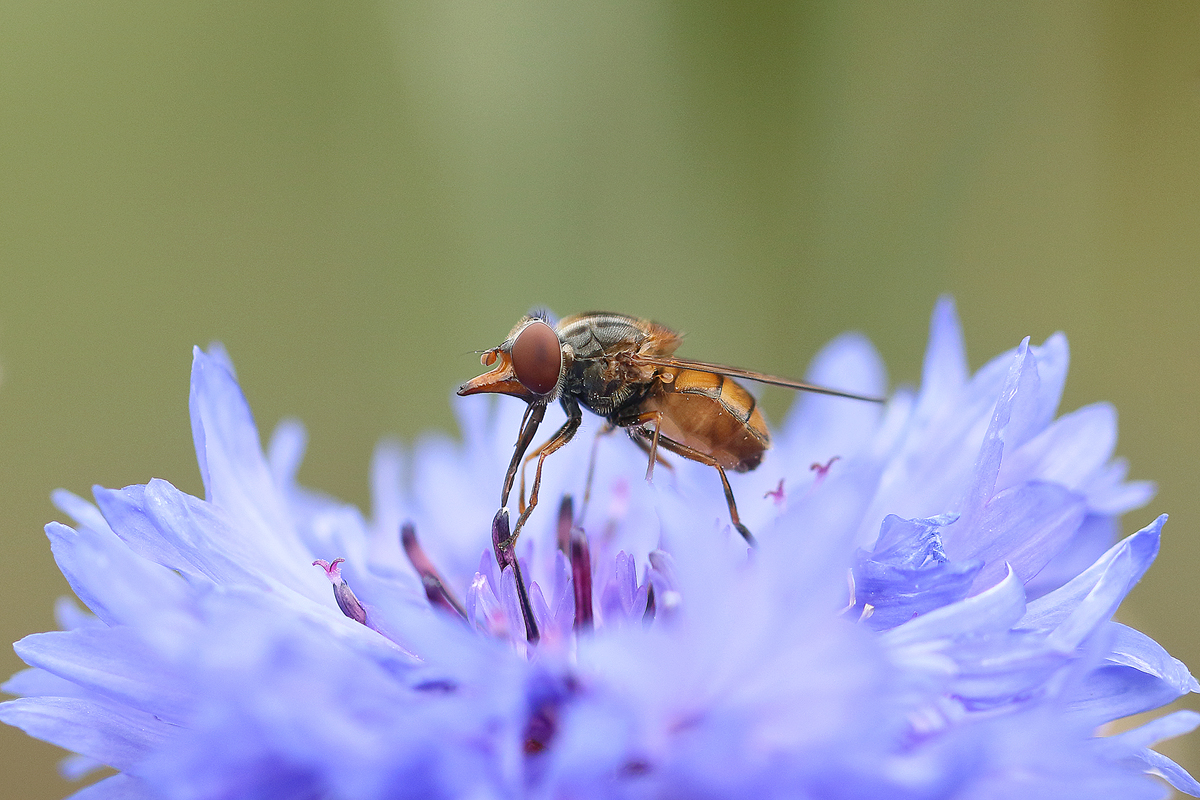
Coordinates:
(624, 369)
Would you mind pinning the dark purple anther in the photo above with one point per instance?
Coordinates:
(503, 544)
(566, 518)
(435, 588)
(501, 541)
(346, 600)
(581, 579)
(648, 615)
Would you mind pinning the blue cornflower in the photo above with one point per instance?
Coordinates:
(928, 613)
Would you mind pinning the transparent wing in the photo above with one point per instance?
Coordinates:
(751, 375)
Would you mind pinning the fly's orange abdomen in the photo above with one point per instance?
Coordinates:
(712, 414)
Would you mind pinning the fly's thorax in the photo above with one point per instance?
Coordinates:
(604, 384)
(594, 335)
(600, 352)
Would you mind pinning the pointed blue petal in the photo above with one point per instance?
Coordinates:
(113, 663)
(1112, 692)
(1068, 452)
(1050, 610)
(197, 538)
(1135, 649)
(1022, 375)
(118, 585)
(1156, 763)
(169, 530)
(83, 512)
(118, 737)
(1177, 723)
(236, 476)
(945, 369)
(75, 767)
(1053, 357)
(39, 683)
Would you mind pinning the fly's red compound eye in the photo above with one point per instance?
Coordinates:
(537, 357)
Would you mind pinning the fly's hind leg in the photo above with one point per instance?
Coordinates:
(703, 458)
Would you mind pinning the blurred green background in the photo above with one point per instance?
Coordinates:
(354, 195)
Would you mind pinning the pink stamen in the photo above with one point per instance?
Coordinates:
(777, 494)
(332, 570)
(823, 469)
(342, 593)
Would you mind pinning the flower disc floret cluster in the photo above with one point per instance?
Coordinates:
(928, 613)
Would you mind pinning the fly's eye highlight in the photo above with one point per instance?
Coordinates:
(537, 358)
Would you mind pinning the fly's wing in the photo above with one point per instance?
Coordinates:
(736, 372)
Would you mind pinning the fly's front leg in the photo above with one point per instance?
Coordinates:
(564, 435)
(529, 425)
(536, 453)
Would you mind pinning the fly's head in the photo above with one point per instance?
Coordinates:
(530, 364)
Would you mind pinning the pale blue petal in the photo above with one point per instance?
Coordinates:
(70, 616)
(1109, 493)
(285, 452)
(84, 513)
(1091, 540)
(1019, 384)
(993, 610)
(75, 767)
(1022, 528)
(819, 427)
(1053, 358)
(1135, 649)
(39, 683)
(1050, 610)
(1067, 452)
(944, 372)
(116, 787)
(162, 524)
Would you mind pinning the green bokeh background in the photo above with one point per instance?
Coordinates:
(353, 196)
